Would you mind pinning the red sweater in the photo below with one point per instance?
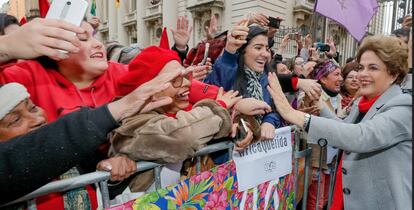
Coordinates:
(58, 96)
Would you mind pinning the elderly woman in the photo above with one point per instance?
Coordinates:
(375, 171)
(175, 131)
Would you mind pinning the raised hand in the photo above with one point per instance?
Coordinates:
(236, 37)
(259, 18)
(229, 98)
(40, 37)
(182, 34)
(212, 29)
(141, 99)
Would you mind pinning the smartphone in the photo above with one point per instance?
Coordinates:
(72, 11)
(274, 22)
(291, 36)
(204, 61)
(241, 130)
(323, 47)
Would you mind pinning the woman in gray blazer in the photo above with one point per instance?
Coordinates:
(377, 134)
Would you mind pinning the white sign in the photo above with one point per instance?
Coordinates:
(264, 160)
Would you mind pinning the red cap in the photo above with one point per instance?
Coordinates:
(145, 67)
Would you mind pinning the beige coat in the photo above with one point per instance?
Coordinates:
(158, 138)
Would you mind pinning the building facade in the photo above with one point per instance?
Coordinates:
(141, 21)
(16, 8)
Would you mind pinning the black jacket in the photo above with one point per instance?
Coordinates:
(30, 161)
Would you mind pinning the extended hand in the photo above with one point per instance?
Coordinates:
(182, 34)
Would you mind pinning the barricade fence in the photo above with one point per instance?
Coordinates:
(101, 177)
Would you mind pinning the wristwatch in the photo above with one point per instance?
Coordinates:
(306, 122)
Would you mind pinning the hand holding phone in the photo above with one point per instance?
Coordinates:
(207, 48)
(72, 11)
(274, 22)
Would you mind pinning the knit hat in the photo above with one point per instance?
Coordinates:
(145, 67)
(11, 95)
(324, 69)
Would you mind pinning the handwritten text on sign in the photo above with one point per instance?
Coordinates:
(264, 160)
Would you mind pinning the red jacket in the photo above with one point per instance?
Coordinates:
(59, 96)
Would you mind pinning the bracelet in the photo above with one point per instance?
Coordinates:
(306, 121)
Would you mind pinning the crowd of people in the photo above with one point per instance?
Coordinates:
(72, 100)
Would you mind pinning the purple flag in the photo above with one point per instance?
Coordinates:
(354, 15)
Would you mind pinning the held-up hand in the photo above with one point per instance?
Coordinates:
(121, 167)
(259, 19)
(407, 22)
(41, 37)
(267, 131)
(311, 87)
(282, 104)
(283, 44)
(182, 34)
(201, 73)
(236, 37)
(212, 29)
(141, 100)
(229, 98)
(332, 48)
(241, 144)
(94, 21)
(251, 106)
(308, 41)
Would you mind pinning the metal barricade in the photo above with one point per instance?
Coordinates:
(102, 177)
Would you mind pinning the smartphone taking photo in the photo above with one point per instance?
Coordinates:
(274, 22)
(72, 11)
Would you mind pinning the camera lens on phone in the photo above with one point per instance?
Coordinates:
(68, 3)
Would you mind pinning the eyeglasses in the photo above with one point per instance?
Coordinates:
(178, 81)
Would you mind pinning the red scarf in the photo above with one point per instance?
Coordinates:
(365, 104)
(338, 197)
(174, 115)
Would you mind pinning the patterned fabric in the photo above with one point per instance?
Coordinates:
(76, 199)
(217, 189)
(254, 88)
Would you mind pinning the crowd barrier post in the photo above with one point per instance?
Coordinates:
(101, 177)
(322, 143)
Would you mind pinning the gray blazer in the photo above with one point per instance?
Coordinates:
(377, 161)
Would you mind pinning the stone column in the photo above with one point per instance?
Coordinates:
(142, 30)
(122, 11)
(169, 17)
(112, 21)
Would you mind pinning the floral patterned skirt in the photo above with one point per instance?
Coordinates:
(217, 189)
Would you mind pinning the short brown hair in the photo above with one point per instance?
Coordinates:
(391, 50)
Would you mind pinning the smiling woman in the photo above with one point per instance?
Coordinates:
(376, 135)
(85, 78)
(173, 132)
(242, 67)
